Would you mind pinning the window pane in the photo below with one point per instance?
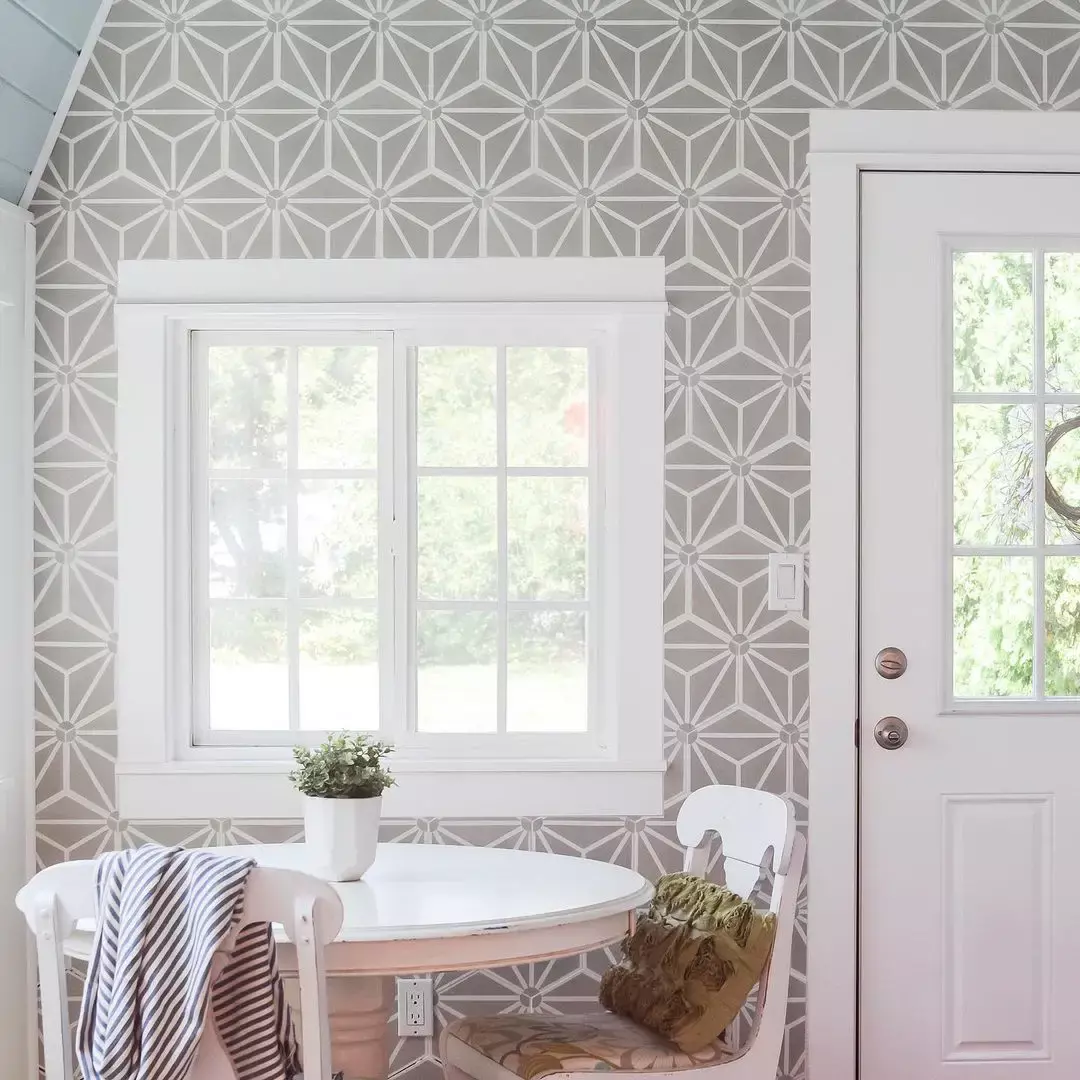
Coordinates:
(1062, 474)
(249, 671)
(993, 620)
(993, 321)
(337, 532)
(992, 466)
(338, 407)
(246, 392)
(247, 538)
(546, 681)
(1063, 626)
(547, 518)
(339, 670)
(457, 547)
(456, 678)
(455, 406)
(1063, 322)
(547, 406)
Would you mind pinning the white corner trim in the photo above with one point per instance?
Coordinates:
(62, 109)
(18, 1025)
(844, 144)
(16, 213)
(375, 281)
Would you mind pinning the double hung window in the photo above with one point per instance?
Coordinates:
(437, 520)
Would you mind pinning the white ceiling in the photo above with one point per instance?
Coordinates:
(40, 46)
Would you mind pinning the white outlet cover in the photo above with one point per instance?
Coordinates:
(415, 1007)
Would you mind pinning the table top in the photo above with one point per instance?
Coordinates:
(417, 891)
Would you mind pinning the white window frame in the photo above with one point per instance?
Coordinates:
(843, 145)
(614, 306)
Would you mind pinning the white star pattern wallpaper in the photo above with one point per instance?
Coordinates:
(436, 128)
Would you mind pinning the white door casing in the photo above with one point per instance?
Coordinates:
(845, 147)
(18, 1002)
(970, 950)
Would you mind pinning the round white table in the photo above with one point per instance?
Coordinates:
(433, 907)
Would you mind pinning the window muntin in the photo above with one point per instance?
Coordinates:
(1015, 437)
(301, 581)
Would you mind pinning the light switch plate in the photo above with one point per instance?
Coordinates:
(786, 581)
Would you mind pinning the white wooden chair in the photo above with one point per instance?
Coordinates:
(749, 823)
(57, 898)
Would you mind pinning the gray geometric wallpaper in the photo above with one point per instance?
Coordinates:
(353, 128)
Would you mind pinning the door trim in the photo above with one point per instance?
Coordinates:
(843, 145)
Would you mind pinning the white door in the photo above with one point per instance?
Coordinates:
(970, 564)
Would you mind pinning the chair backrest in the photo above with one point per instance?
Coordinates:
(310, 911)
(751, 823)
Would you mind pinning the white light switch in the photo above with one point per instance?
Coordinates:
(785, 581)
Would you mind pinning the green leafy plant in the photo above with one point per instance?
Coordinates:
(347, 766)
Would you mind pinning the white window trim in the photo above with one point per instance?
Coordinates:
(843, 145)
(618, 303)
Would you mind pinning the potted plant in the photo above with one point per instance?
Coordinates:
(341, 783)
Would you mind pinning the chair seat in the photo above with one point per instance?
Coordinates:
(532, 1046)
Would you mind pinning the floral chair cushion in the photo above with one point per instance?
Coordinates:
(532, 1046)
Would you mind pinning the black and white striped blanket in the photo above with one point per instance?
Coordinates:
(162, 915)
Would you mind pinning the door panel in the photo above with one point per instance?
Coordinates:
(970, 563)
(985, 1016)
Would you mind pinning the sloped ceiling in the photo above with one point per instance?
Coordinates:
(41, 42)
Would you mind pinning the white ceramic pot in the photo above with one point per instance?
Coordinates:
(340, 835)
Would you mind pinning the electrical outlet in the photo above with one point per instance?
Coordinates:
(415, 1007)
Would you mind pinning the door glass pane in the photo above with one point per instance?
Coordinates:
(1062, 481)
(249, 668)
(546, 682)
(1063, 626)
(1062, 275)
(339, 670)
(455, 407)
(993, 321)
(993, 626)
(338, 407)
(993, 448)
(457, 671)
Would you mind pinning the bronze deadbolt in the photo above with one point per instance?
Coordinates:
(890, 663)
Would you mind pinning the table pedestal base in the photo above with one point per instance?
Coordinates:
(360, 1009)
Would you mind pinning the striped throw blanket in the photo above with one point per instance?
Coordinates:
(162, 915)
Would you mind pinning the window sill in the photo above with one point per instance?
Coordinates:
(484, 789)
